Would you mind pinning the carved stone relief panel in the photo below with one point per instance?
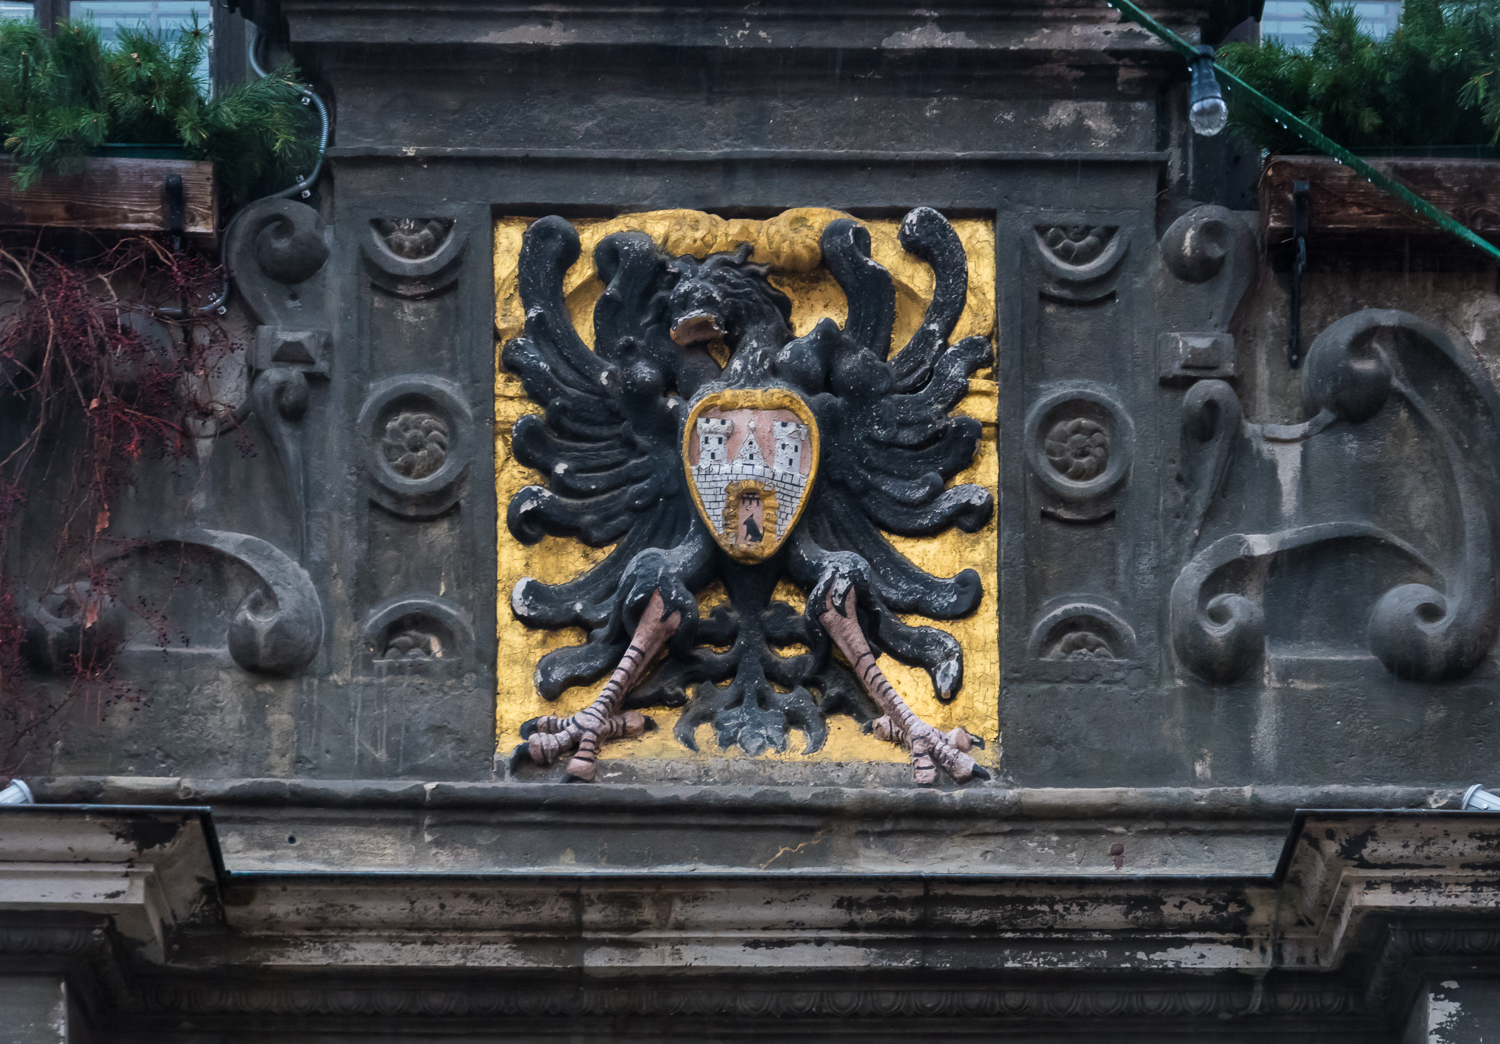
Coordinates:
(271, 620)
(1071, 395)
(418, 433)
(1377, 530)
(805, 364)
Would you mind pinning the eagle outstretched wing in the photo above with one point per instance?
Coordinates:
(891, 446)
(607, 442)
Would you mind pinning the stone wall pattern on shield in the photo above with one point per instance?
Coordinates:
(790, 244)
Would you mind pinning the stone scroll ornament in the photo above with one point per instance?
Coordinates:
(1363, 364)
(788, 461)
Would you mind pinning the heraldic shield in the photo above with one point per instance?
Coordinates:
(751, 456)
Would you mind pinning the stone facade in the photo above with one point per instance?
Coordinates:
(1228, 629)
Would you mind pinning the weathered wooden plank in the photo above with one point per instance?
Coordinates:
(111, 192)
(1341, 204)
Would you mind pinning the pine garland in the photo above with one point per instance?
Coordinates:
(1431, 82)
(64, 95)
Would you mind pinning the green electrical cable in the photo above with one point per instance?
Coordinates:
(1308, 133)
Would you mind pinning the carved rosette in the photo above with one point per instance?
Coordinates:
(1081, 631)
(414, 256)
(1077, 448)
(413, 239)
(417, 444)
(416, 634)
(1078, 443)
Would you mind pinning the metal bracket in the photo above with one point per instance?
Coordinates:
(1299, 265)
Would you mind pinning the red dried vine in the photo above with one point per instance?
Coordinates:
(93, 383)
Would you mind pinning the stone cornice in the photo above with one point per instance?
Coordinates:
(149, 870)
(754, 801)
(1009, 28)
(542, 829)
(799, 947)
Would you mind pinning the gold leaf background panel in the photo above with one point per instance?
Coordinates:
(789, 242)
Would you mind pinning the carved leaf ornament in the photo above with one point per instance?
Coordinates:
(710, 445)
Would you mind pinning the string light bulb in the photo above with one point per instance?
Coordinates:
(1206, 109)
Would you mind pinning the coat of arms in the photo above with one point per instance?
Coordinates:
(709, 445)
(750, 467)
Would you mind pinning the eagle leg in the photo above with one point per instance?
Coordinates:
(898, 724)
(549, 737)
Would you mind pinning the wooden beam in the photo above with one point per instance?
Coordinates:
(112, 193)
(1344, 206)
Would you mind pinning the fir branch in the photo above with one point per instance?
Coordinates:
(1429, 82)
(63, 96)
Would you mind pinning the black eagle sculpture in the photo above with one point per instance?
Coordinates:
(790, 460)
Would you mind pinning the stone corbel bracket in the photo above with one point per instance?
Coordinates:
(1346, 876)
(1208, 263)
(1354, 368)
(277, 252)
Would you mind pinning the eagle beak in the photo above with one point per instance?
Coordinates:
(696, 329)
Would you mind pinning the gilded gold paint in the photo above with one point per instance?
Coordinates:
(789, 242)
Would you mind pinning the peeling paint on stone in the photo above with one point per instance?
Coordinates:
(925, 37)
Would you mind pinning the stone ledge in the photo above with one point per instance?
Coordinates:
(979, 802)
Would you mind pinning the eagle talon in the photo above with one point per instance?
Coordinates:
(520, 755)
(545, 724)
(929, 747)
(549, 737)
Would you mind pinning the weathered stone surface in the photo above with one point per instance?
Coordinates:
(1225, 591)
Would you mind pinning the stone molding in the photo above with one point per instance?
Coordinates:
(754, 1002)
(1046, 28)
(988, 803)
(1408, 952)
(150, 871)
(908, 947)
